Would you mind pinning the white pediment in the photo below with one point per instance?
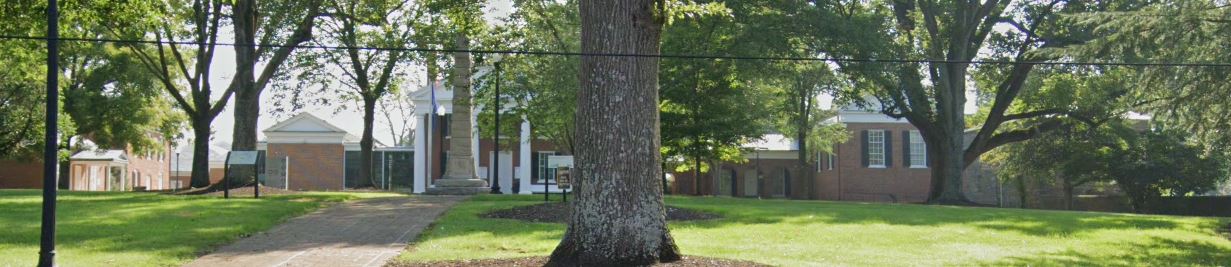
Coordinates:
(305, 122)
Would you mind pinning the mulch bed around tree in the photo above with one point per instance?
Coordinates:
(688, 261)
(237, 192)
(558, 212)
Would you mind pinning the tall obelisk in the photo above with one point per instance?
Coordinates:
(459, 177)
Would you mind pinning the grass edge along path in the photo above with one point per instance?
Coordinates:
(822, 233)
(144, 229)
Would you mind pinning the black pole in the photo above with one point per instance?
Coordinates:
(496, 138)
(47, 242)
(664, 177)
(546, 190)
(177, 168)
(226, 177)
(256, 179)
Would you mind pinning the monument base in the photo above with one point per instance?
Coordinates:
(456, 186)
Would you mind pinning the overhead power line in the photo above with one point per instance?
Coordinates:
(669, 56)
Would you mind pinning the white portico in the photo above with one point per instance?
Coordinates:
(432, 135)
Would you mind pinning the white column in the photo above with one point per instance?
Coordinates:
(420, 154)
(523, 165)
(474, 138)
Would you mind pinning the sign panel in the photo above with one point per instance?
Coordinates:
(559, 161)
(563, 178)
(242, 158)
(275, 172)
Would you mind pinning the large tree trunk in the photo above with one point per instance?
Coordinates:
(247, 95)
(365, 143)
(618, 216)
(945, 153)
(200, 152)
(803, 129)
(945, 140)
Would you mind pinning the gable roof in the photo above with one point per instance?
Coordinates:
(101, 155)
(425, 94)
(305, 122)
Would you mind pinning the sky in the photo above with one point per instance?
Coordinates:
(351, 120)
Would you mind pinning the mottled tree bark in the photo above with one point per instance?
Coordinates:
(945, 155)
(247, 97)
(618, 217)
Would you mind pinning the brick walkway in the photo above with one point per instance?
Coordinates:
(361, 233)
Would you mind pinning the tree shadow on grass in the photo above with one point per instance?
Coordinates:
(100, 223)
(1029, 222)
(1155, 252)
(739, 211)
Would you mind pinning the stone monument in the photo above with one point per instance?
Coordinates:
(459, 177)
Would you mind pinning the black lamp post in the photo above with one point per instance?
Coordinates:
(496, 138)
(47, 242)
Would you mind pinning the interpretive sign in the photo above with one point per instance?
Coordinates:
(562, 178)
(564, 181)
(249, 159)
(242, 158)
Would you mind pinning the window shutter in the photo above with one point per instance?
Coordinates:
(906, 160)
(864, 144)
(534, 167)
(888, 147)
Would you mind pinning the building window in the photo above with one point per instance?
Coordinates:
(876, 149)
(543, 173)
(918, 150)
(831, 156)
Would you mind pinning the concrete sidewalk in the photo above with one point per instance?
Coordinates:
(361, 233)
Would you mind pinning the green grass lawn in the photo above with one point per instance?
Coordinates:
(795, 233)
(142, 229)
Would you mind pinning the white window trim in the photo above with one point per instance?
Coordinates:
(882, 144)
(924, 155)
(546, 173)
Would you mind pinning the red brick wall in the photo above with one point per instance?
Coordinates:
(773, 172)
(851, 181)
(150, 166)
(313, 166)
(215, 176)
(21, 174)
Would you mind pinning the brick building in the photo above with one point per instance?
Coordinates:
(305, 152)
(884, 160)
(21, 174)
(122, 169)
